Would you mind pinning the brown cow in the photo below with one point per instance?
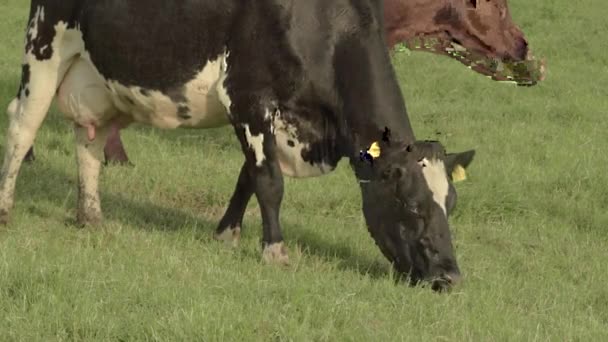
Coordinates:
(479, 34)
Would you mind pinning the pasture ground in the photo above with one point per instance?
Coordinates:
(530, 227)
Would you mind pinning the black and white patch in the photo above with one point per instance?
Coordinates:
(435, 176)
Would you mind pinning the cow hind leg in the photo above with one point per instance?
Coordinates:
(229, 229)
(26, 113)
(90, 143)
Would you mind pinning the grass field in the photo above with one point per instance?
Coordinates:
(530, 228)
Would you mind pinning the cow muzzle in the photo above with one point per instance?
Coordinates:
(446, 282)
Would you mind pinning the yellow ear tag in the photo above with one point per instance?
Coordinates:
(374, 150)
(459, 174)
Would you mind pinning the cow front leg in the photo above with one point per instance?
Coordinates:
(265, 173)
(90, 143)
(229, 229)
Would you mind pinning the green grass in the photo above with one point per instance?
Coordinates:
(530, 228)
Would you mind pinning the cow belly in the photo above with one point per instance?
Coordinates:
(289, 154)
(85, 97)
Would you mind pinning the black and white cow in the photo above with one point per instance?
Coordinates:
(304, 83)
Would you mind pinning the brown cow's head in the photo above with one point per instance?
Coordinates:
(478, 33)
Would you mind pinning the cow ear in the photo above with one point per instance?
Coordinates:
(456, 163)
(375, 150)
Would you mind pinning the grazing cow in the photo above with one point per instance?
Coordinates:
(479, 34)
(304, 83)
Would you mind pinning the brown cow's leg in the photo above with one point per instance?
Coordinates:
(114, 150)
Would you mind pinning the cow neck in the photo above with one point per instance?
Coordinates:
(371, 96)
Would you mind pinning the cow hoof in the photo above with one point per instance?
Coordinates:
(230, 236)
(276, 253)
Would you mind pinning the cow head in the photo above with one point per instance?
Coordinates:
(478, 33)
(407, 198)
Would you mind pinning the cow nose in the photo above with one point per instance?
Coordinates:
(446, 282)
(453, 278)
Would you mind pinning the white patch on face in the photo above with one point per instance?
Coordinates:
(257, 144)
(437, 180)
(289, 153)
(221, 89)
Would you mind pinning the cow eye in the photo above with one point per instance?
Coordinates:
(473, 3)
